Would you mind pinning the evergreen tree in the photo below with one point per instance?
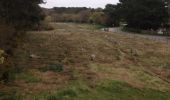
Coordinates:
(112, 15)
(21, 14)
(144, 14)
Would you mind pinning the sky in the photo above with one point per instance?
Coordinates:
(78, 3)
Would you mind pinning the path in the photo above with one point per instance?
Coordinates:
(164, 39)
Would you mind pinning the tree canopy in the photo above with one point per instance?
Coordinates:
(112, 12)
(21, 14)
(144, 14)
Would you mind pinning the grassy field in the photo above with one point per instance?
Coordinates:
(80, 62)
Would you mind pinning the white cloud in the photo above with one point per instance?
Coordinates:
(78, 3)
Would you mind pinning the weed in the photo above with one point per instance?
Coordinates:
(52, 67)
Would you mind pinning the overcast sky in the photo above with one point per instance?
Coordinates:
(78, 3)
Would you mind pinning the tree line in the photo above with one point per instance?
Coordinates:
(143, 14)
(76, 14)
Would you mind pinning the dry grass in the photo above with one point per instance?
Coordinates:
(92, 55)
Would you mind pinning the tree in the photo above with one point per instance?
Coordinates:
(21, 14)
(98, 18)
(144, 14)
(84, 16)
(112, 12)
(167, 2)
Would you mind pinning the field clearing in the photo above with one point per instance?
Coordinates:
(80, 62)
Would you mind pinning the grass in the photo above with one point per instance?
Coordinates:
(100, 26)
(107, 90)
(28, 77)
(122, 91)
(65, 69)
(53, 67)
(9, 96)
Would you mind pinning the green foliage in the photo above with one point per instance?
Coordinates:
(113, 16)
(107, 90)
(53, 67)
(68, 93)
(71, 10)
(144, 14)
(78, 15)
(21, 14)
(98, 18)
(122, 91)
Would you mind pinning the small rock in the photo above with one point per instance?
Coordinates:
(34, 56)
(93, 56)
(82, 49)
